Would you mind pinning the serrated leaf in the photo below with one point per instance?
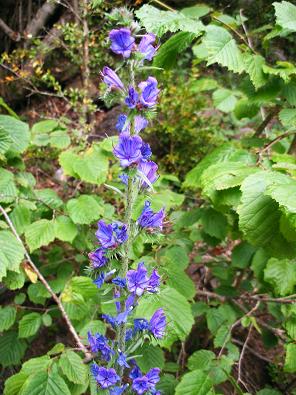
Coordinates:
(59, 139)
(8, 191)
(14, 280)
(14, 384)
(196, 11)
(5, 141)
(285, 13)
(284, 193)
(18, 132)
(29, 325)
(290, 359)
(73, 368)
(67, 160)
(214, 223)
(152, 357)
(167, 55)
(289, 92)
(49, 197)
(92, 166)
(21, 218)
(281, 274)
(224, 100)
(244, 109)
(253, 65)
(84, 210)
(288, 117)
(201, 359)
(45, 383)
(40, 233)
(65, 229)
(222, 49)
(7, 317)
(167, 384)
(160, 22)
(194, 383)
(36, 365)
(12, 349)
(11, 253)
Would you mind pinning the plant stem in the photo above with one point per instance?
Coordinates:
(71, 328)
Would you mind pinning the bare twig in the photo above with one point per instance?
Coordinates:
(14, 36)
(42, 15)
(246, 30)
(163, 5)
(274, 111)
(251, 350)
(239, 379)
(71, 328)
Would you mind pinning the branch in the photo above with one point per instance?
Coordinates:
(40, 19)
(47, 286)
(14, 36)
(239, 379)
(274, 111)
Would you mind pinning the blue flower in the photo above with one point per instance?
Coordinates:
(153, 376)
(99, 343)
(104, 377)
(135, 372)
(128, 150)
(122, 43)
(154, 282)
(124, 178)
(120, 282)
(146, 151)
(120, 232)
(141, 385)
(111, 320)
(121, 360)
(140, 123)
(149, 169)
(146, 47)
(110, 236)
(129, 305)
(111, 79)
(129, 334)
(149, 92)
(98, 258)
(137, 280)
(99, 281)
(118, 390)
(123, 125)
(140, 324)
(133, 98)
(149, 219)
(158, 324)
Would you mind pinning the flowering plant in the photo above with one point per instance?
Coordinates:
(117, 369)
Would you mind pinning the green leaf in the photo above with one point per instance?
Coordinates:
(160, 22)
(214, 223)
(283, 192)
(8, 191)
(40, 233)
(73, 368)
(167, 384)
(49, 197)
(288, 117)
(11, 253)
(152, 357)
(177, 278)
(268, 391)
(177, 309)
(224, 100)
(285, 13)
(92, 166)
(94, 326)
(7, 317)
(289, 92)
(242, 254)
(5, 140)
(59, 139)
(290, 360)
(167, 55)
(245, 109)
(222, 49)
(196, 11)
(67, 160)
(21, 218)
(29, 325)
(84, 210)
(201, 359)
(14, 384)
(14, 280)
(36, 365)
(45, 383)
(222, 336)
(194, 383)
(84, 286)
(284, 70)
(18, 132)
(65, 229)
(281, 274)
(254, 67)
(12, 349)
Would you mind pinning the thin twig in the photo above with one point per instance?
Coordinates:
(239, 379)
(71, 328)
(250, 349)
(274, 111)
(163, 5)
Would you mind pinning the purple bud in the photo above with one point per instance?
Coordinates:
(111, 79)
(120, 282)
(133, 98)
(121, 360)
(146, 47)
(149, 92)
(122, 43)
(158, 324)
(123, 125)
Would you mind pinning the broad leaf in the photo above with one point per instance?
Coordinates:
(14, 384)
(201, 359)
(73, 368)
(224, 100)
(194, 383)
(152, 357)
(7, 317)
(12, 349)
(11, 253)
(45, 383)
(8, 191)
(281, 274)
(65, 229)
(253, 66)
(285, 13)
(18, 132)
(290, 360)
(29, 325)
(84, 210)
(40, 233)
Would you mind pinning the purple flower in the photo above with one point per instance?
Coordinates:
(98, 258)
(129, 305)
(123, 125)
(118, 390)
(128, 150)
(129, 335)
(122, 42)
(110, 236)
(141, 385)
(124, 178)
(140, 123)
(154, 282)
(132, 99)
(105, 234)
(153, 376)
(111, 320)
(135, 372)
(158, 324)
(121, 360)
(149, 169)
(120, 282)
(99, 281)
(104, 377)
(146, 151)
(99, 343)
(137, 280)
(140, 324)
(111, 78)
(145, 46)
(149, 219)
(149, 92)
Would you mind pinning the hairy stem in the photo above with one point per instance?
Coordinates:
(71, 328)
